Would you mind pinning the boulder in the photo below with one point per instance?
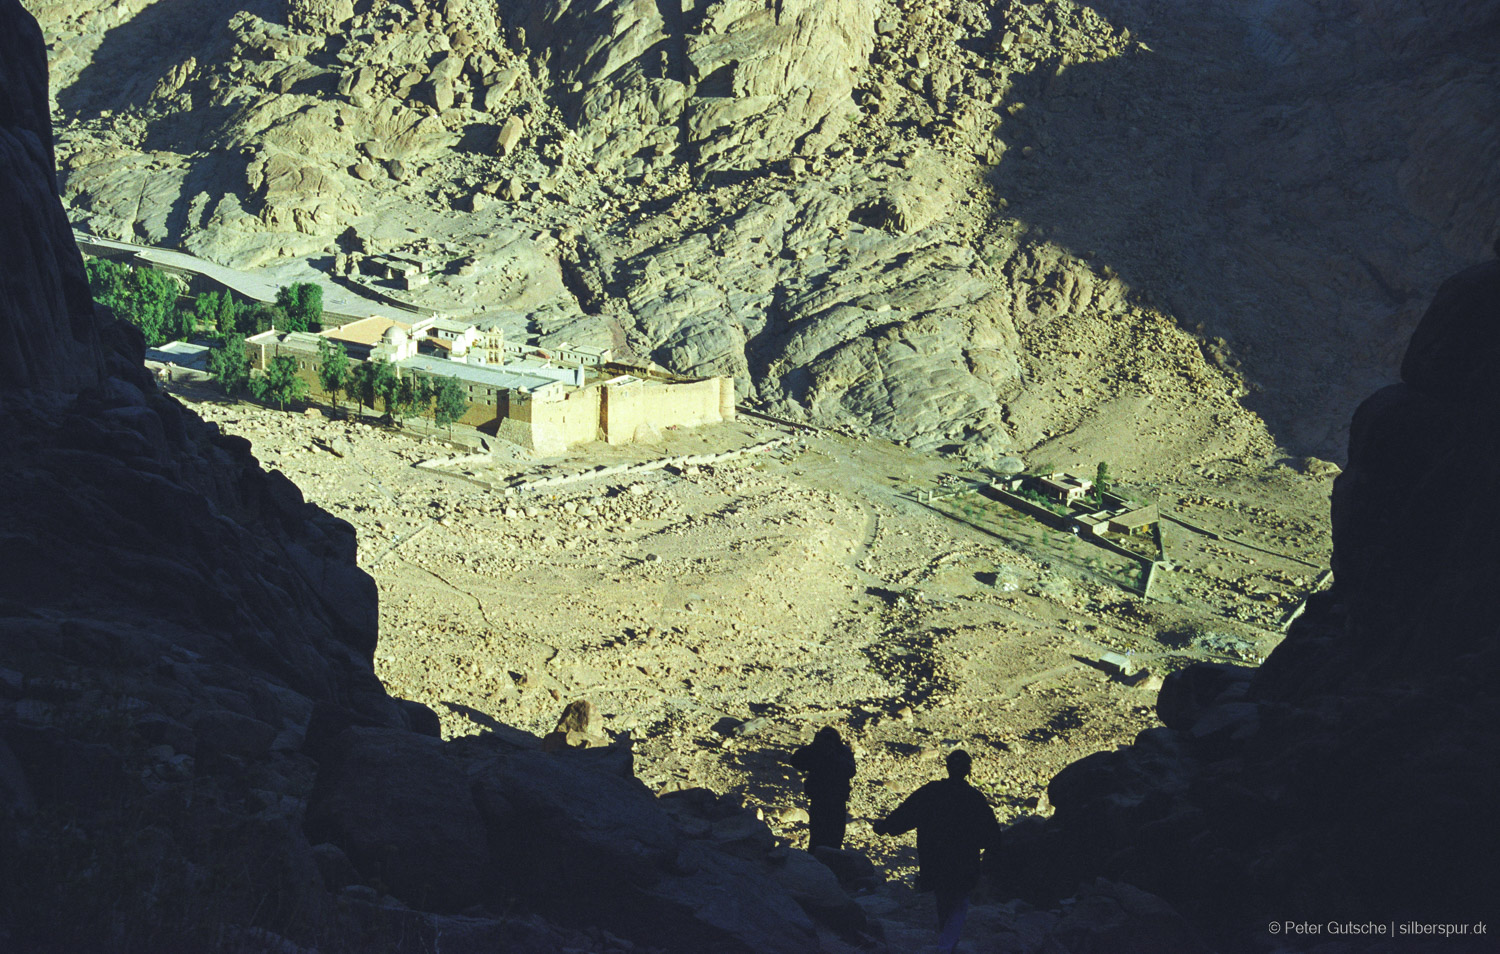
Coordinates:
(1450, 350)
(1187, 692)
(403, 814)
(221, 732)
(1110, 917)
(436, 92)
(814, 886)
(576, 834)
(509, 136)
(580, 727)
(850, 866)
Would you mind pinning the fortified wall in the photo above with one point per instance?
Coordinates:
(541, 414)
(618, 411)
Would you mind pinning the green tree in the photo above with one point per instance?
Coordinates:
(215, 312)
(408, 397)
(449, 403)
(230, 365)
(181, 322)
(279, 383)
(425, 394)
(206, 311)
(1101, 483)
(107, 282)
(257, 317)
(333, 368)
(227, 315)
(361, 386)
(145, 297)
(386, 385)
(302, 305)
(153, 296)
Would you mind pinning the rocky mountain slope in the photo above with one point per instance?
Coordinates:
(920, 220)
(1348, 779)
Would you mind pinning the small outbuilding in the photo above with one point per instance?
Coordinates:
(1064, 488)
(1138, 521)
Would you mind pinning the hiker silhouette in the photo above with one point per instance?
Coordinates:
(954, 822)
(827, 766)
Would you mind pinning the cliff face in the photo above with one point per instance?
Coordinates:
(170, 612)
(1354, 775)
(48, 338)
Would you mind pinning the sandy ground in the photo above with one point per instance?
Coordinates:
(719, 615)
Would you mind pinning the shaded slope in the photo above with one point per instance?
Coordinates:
(1350, 778)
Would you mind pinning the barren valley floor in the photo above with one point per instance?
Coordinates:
(719, 615)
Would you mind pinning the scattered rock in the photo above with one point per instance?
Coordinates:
(580, 727)
(509, 136)
(1313, 467)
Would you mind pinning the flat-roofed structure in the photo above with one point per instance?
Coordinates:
(409, 272)
(490, 391)
(184, 354)
(302, 345)
(1094, 523)
(1064, 487)
(444, 327)
(561, 352)
(575, 376)
(484, 376)
(362, 337)
(1139, 520)
(366, 331)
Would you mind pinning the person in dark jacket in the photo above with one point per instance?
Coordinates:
(954, 822)
(827, 766)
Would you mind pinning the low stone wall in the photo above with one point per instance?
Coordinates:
(1027, 507)
(689, 460)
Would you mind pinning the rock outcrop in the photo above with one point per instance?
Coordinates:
(1352, 777)
(48, 337)
(740, 84)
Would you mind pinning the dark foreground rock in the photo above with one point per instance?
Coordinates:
(48, 338)
(1353, 778)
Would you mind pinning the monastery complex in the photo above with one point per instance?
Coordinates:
(544, 398)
